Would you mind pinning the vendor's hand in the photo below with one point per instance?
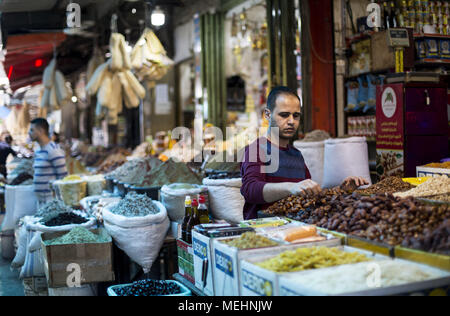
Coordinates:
(305, 188)
(354, 182)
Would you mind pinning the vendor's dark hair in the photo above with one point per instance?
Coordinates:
(277, 91)
(41, 123)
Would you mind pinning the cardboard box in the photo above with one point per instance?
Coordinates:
(382, 55)
(227, 280)
(256, 281)
(423, 171)
(94, 259)
(203, 262)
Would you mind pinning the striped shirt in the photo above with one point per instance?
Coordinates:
(49, 164)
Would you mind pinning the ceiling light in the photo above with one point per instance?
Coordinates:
(158, 17)
(133, 10)
(74, 99)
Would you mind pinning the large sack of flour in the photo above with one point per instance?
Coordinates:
(313, 153)
(344, 158)
(225, 199)
(141, 238)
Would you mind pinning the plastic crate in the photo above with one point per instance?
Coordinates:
(184, 290)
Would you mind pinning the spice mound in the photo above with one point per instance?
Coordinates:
(79, 235)
(434, 186)
(316, 136)
(388, 185)
(64, 219)
(135, 205)
(311, 258)
(169, 172)
(250, 240)
(134, 170)
(149, 288)
(52, 208)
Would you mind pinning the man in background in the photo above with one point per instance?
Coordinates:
(5, 151)
(49, 160)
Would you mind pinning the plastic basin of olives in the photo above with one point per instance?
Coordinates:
(184, 290)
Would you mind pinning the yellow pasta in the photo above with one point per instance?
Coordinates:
(311, 258)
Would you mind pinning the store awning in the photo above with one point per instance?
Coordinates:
(28, 55)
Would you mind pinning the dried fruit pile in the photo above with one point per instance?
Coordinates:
(381, 218)
(388, 185)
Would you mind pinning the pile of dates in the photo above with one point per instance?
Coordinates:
(382, 218)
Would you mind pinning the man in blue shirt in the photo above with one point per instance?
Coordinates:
(49, 160)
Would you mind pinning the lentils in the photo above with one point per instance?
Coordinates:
(149, 288)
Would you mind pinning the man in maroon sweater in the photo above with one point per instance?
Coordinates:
(272, 169)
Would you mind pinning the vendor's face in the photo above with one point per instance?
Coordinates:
(34, 132)
(285, 115)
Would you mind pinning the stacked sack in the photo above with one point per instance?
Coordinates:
(55, 90)
(114, 83)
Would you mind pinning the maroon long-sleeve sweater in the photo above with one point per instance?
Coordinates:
(292, 168)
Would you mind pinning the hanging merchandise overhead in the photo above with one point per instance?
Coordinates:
(114, 83)
(55, 90)
(149, 58)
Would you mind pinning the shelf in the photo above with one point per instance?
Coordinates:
(423, 35)
(433, 61)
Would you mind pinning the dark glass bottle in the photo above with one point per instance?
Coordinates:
(187, 216)
(193, 221)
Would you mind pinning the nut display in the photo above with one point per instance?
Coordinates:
(388, 185)
(382, 218)
(433, 186)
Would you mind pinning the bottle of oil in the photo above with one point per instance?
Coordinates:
(203, 212)
(187, 216)
(193, 221)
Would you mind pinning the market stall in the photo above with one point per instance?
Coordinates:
(146, 211)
